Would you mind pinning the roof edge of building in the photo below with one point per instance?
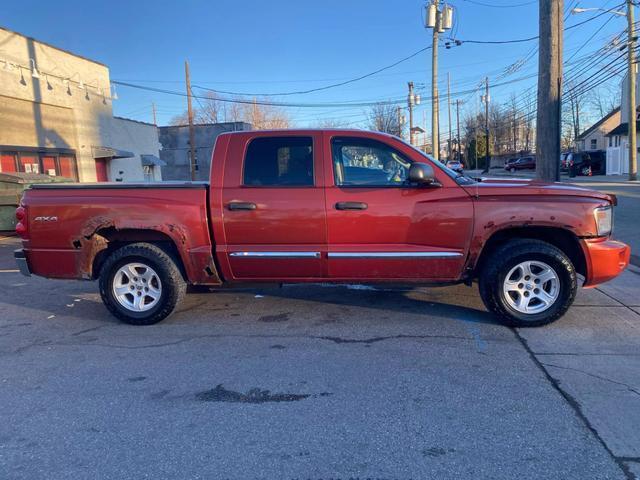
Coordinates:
(53, 46)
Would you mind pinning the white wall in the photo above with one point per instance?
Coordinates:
(136, 137)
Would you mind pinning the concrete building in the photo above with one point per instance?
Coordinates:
(56, 117)
(175, 148)
(595, 137)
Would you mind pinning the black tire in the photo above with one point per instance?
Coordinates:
(173, 285)
(508, 256)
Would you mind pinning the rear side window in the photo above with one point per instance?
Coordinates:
(279, 161)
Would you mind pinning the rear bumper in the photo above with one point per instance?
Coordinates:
(606, 259)
(21, 261)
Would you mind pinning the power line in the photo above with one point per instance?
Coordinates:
(529, 39)
(475, 2)
(325, 87)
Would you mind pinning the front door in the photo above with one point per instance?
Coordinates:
(273, 208)
(380, 226)
(101, 170)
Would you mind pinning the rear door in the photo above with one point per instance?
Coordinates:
(381, 227)
(273, 207)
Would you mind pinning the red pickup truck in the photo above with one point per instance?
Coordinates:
(323, 206)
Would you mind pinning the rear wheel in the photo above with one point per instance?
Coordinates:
(528, 283)
(141, 284)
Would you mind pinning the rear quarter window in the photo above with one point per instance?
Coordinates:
(279, 161)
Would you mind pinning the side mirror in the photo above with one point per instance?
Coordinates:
(422, 174)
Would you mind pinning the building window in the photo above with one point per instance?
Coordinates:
(279, 161)
(8, 163)
(52, 164)
(147, 170)
(594, 144)
(610, 141)
(28, 163)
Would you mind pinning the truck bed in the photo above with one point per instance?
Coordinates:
(79, 222)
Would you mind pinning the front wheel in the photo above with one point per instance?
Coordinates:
(141, 284)
(528, 283)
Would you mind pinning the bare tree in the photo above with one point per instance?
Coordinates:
(384, 118)
(573, 110)
(210, 110)
(604, 99)
(182, 119)
(259, 114)
(265, 117)
(331, 123)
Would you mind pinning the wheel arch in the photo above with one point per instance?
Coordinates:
(118, 238)
(563, 239)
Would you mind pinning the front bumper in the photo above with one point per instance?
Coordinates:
(605, 258)
(21, 261)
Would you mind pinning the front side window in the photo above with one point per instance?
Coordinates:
(279, 161)
(363, 162)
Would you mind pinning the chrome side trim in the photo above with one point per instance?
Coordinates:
(393, 254)
(275, 254)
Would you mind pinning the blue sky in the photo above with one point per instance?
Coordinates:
(286, 45)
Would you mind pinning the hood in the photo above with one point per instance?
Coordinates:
(518, 187)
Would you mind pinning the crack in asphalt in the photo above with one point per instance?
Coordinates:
(630, 307)
(629, 387)
(575, 405)
(337, 340)
(588, 354)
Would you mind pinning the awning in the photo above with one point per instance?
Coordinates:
(108, 152)
(151, 161)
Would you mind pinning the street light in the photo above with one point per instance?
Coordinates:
(597, 9)
(631, 44)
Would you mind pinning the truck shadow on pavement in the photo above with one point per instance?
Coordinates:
(457, 303)
(80, 300)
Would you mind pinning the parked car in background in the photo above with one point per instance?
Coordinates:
(564, 162)
(342, 206)
(455, 165)
(586, 163)
(522, 163)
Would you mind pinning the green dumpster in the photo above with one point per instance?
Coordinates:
(11, 187)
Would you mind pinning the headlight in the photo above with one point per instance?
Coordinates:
(604, 220)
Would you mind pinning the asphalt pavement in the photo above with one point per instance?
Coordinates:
(316, 382)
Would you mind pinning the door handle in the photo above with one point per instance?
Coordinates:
(241, 206)
(351, 206)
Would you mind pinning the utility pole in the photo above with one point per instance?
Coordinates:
(631, 48)
(439, 21)
(412, 99)
(548, 133)
(458, 124)
(449, 108)
(475, 147)
(487, 158)
(435, 114)
(153, 109)
(192, 147)
(424, 134)
(400, 122)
